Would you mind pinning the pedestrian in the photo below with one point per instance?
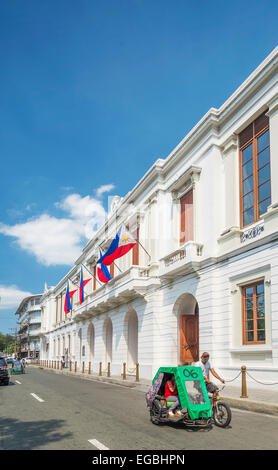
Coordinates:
(206, 367)
(63, 362)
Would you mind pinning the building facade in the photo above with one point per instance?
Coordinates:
(204, 273)
(29, 327)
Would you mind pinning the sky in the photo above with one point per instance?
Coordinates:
(92, 94)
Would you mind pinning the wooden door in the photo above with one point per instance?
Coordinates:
(186, 223)
(189, 338)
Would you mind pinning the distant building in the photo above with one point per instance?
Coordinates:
(204, 275)
(29, 326)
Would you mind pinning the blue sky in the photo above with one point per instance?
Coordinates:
(92, 93)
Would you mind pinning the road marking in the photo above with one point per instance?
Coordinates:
(17, 381)
(98, 444)
(36, 396)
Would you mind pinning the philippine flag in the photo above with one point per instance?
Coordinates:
(69, 294)
(122, 243)
(103, 273)
(82, 285)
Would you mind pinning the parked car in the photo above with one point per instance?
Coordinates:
(4, 373)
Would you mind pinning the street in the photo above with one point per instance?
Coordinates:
(41, 410)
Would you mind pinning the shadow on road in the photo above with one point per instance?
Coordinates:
(24, 435)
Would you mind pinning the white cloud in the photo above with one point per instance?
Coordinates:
(55, 241)
(11, 296)
(105, 188)
(51, 240)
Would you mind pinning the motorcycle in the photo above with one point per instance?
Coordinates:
(221, 412)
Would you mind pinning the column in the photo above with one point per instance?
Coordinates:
(231, 175)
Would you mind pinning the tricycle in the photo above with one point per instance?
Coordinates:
(17, 368)
(196, 408)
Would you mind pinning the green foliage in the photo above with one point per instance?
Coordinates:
(7, 343)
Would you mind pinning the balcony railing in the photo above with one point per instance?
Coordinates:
(132, 283)
(181, 261)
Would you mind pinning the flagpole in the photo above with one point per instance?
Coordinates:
(117, 267)
(92, 274)
(141, 245)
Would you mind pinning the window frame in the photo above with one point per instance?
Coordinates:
(255, 173)
(255, 341)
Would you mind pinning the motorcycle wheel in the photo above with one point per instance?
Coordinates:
(222, 414)
(154, 417)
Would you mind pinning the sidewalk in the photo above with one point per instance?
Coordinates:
(263, 400)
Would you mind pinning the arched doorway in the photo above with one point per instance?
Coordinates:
(187, 312)
(91, 342)
(80, 345)
(131, 328)
(108, 340)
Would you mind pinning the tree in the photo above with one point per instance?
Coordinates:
(7, 342)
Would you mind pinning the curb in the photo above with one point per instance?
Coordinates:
(249, 405)
(123, 383)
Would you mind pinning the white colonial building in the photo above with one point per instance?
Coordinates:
(204, 275)
(29, 326)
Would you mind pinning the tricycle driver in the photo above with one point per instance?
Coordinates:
(171, 394)
(205, 365)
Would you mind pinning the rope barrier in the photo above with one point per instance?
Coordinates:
(131, 371)
(255, 380)
(234, 378)
(259, 382)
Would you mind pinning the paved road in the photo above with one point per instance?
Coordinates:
(75, 411)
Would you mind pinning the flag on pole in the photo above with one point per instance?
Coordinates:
(122, 243)
(103, 273)
(83, 283)
(69, 294)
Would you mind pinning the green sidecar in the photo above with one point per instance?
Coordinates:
(17, 368)
(194, 401)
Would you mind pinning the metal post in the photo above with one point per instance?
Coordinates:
(243, 383)
(89, 370)
(58, 362)
(124, 371)
(83, 367)
(108, 369)
(100, 369)
(137, 371)
(75, 366)
(70, 366)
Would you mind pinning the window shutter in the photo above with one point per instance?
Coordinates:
(261, 123)
(246, 135)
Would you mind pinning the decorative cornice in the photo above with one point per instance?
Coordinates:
(230, 144)
(272, 106)
(188, 178)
